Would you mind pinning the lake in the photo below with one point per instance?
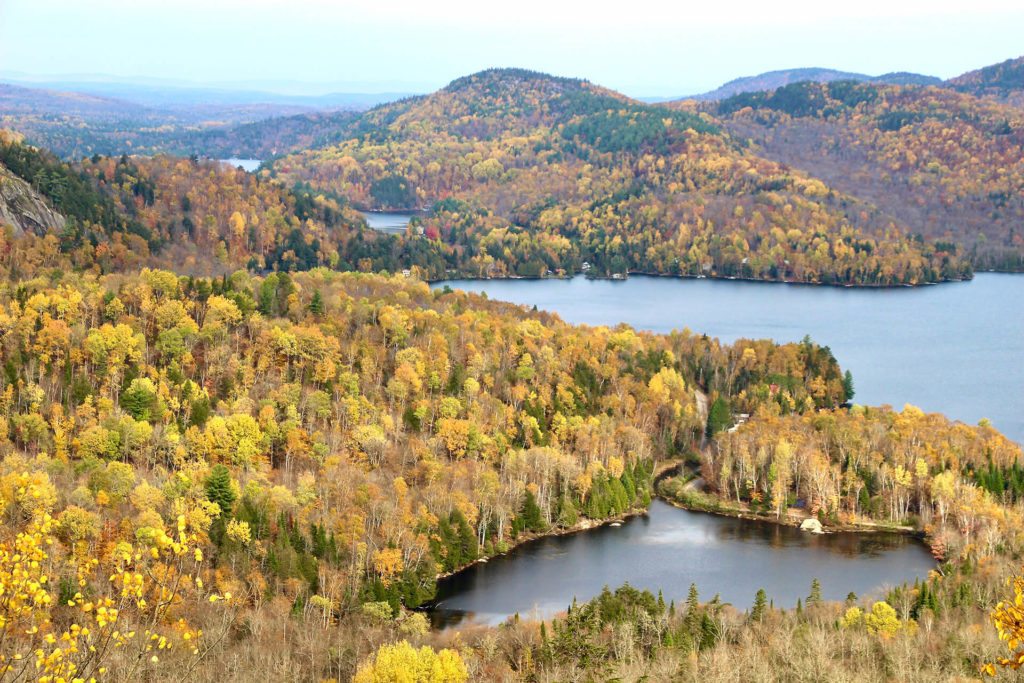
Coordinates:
(667, 549)
(393, 222)
(249, 165)
(955, 348)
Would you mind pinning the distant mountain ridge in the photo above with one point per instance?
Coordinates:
(1003, 82)
(173, 95)
(770, 80)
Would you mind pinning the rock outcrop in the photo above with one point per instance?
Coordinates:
(23, 208)
(812, 525)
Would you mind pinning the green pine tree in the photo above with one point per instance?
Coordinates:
(719, 417)
(848, 386)
(316, 304)
(815, 597)
(218, 489)
(692, 618)
(760, 605)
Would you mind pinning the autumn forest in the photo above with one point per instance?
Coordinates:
(242, 435)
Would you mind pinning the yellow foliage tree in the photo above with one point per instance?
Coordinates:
(1008, 618)
(402, 663)
(128, 611)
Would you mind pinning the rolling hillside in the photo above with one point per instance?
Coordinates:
(945, 165)
(1003, 82)
(529, 174)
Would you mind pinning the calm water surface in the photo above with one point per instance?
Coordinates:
(669, 548)
(955, 348)
(249, 165)
(388, 221)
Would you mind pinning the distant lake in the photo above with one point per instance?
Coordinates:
(249, 165)
(667, 549)
(955, 348)
(392, 222)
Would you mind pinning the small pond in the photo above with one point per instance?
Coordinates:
(667, 549)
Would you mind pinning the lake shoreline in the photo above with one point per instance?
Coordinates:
(455, 277)
(651, 533)
(584, 524)
(726, 509)
(587, 524)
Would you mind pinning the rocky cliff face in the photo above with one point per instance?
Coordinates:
(23, 208)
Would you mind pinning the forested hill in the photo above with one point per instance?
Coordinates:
(528, 174)
(1003, 82)
(771, 80)
(75, 125)
(949, 166)
(108, 214)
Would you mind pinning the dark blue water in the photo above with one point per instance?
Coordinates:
(955, 348)
(669, 548)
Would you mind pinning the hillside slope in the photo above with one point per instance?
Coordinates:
(946, 165)
(528, 174)
(1003, 82)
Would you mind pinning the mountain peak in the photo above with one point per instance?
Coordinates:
(511, 77)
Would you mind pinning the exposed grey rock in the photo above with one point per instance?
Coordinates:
(24, 209)
(812, 525)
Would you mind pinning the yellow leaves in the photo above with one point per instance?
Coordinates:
(387, 562)
(402, 662)
(238, 531)
(455, 434)
(1008, 619)
(882, 620)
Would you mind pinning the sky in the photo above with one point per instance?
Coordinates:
(640, 47)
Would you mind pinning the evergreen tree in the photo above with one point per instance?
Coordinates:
(815, 597)
(567, 515)
(316, 304)
(848, 386)
(531, 513)
(708, 633)
(692, 618)
(760, 605)
(719, 417)
(468, 547)
(218, 489)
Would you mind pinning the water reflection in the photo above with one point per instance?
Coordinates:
(393, 222)
(668, 549)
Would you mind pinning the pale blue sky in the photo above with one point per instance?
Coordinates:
(641, 47)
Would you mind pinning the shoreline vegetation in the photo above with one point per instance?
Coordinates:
(456, 277)
(583, 525)
(700, 501)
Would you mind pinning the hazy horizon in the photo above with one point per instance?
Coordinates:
(313, 46)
